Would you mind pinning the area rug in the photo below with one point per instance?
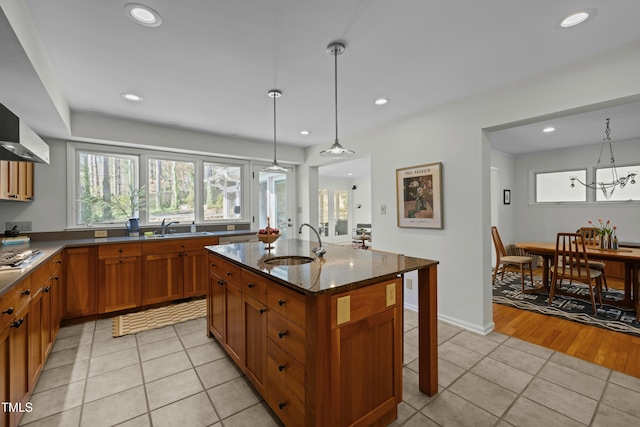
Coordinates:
(158, 317)
(509, 292)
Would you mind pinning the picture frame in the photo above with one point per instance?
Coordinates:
(506, 197)
(419, 196)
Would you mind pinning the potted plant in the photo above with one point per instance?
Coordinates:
(129, 205)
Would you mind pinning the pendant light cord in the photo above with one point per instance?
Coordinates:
(335, 54)
(274, 128)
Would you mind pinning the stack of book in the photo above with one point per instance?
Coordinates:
(15, 240)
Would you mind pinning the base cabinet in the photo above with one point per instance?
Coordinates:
(119, 276)
(80, 284)
(309, 359)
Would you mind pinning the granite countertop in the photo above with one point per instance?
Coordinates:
(341, 269)
(47, 249)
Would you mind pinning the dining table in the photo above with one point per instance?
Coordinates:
(629, 256)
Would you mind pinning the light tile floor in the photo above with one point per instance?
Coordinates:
(176, 376)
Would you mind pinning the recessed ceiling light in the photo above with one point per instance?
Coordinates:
(143, 15)
(549, 129)
(574, 19)
(131, 97)
(350, 174)
(381, 101)
(304, 132)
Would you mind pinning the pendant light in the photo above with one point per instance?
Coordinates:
(607, 187)
(274, 167)
(336, 151)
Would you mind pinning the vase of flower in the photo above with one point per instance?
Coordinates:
(605, 241)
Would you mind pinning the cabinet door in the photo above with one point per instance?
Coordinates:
(162, 278)
(25, 181)
(216, 306)
(9, 180)
(46, 315)
(19, 361)
(81, 290)
(4, 373)
(34, 327)
(119, 283)
(195, 273)
(233, 336)
(254, 361)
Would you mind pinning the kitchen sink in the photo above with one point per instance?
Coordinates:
(288, 260)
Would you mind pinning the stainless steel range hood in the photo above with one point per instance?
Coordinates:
(18, 141)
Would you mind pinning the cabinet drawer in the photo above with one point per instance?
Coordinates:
(41, 275)
(227, 271)
(287, 302)
(285, 369)
(177, 245)
(254, 286)
(286, 406)
(9, 306)
(289, 336)
(121, 250)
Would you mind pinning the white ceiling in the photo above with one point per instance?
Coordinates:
(208, 67)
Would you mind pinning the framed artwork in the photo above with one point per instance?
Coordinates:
(419, 196)
(506, 197)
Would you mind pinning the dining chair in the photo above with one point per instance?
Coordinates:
(591, 237)
(572, 263)
(503, 260)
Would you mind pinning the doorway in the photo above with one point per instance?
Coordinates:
(334, 214)
(275, 198)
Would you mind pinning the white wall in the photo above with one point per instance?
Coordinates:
(362, 197)
(453, 134)
(542, 222)
(506, 213)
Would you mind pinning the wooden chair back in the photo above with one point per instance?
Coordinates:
(571, 256)
(590, 235)
(497, 242)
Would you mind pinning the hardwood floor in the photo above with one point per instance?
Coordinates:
(614, 350)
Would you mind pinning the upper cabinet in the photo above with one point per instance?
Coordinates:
(16, 181)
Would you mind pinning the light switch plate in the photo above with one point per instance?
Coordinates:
(383, 209)
(391, 294)
(344, 310)
(409, 283)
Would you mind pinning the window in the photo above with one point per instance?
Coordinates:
(629, 192)
(112, 184)
(556, 187)
(222, 191)
(107, 187)
(171, 190)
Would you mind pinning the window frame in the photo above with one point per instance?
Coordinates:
(533, 191)
(143, 156)
(609, 201)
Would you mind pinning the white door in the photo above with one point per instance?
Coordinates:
(274, 200)
(334, 207)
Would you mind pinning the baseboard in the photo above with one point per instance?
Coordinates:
(487, 329)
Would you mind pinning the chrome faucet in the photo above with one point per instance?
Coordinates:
(320, 250)
(163, 226)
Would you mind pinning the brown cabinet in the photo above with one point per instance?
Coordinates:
(80, 284)
(16, 180)
(174, 269)
(225, 306)
(119, 277)
(309, 355)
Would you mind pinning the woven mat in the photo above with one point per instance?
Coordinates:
(158, 317)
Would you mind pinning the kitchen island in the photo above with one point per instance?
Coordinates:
(321, 338)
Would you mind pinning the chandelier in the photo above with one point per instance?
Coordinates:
(607, 187)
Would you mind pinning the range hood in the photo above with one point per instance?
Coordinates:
(18, 141)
